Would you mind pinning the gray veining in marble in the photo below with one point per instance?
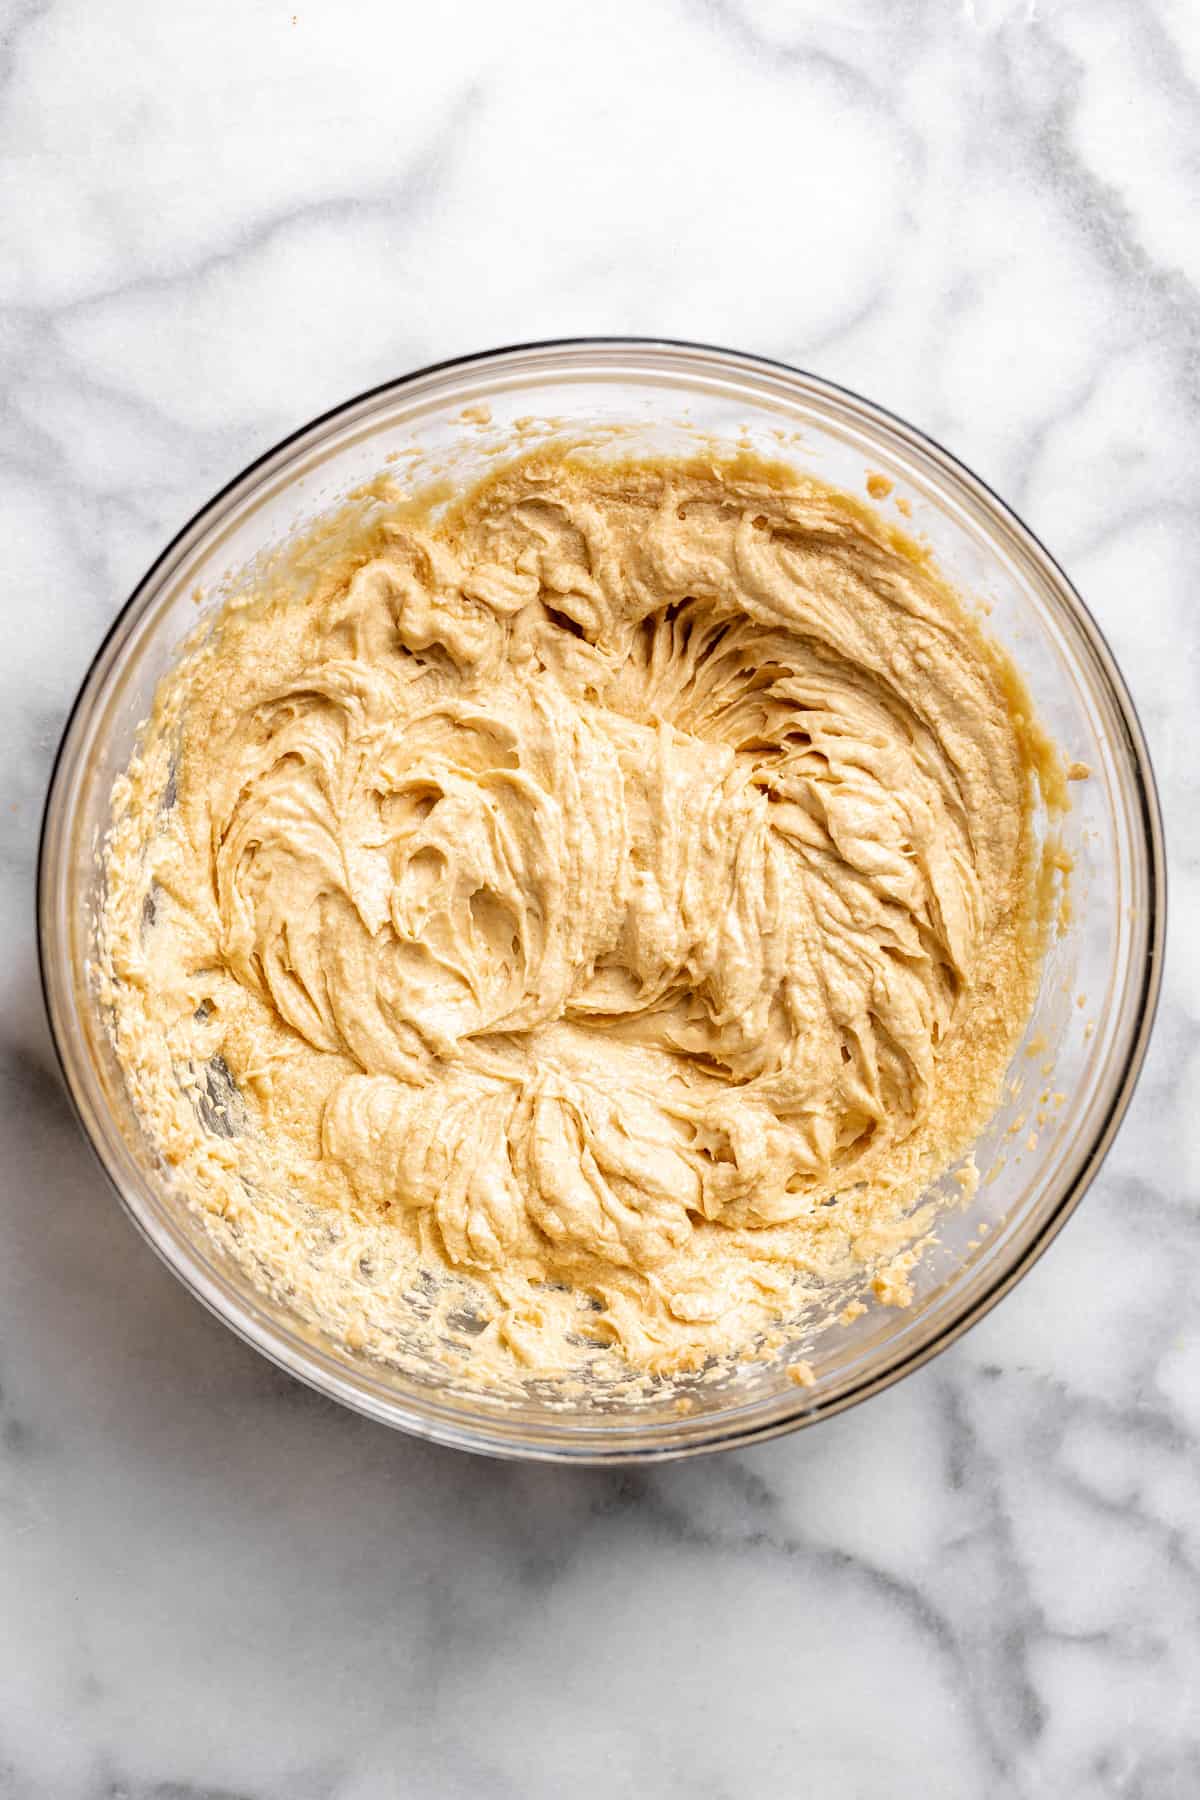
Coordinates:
(219, 219)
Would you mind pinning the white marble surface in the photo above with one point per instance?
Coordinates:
(221, 218)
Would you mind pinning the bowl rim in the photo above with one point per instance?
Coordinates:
(302, 1360)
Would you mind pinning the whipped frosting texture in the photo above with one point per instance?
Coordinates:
(603, 885)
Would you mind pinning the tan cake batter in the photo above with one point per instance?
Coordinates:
(618, 889)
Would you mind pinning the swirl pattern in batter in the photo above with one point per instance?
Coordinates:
(620, 888)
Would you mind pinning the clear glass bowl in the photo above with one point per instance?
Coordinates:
(1096, 1003)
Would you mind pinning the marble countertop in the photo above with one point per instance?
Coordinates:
(220, 219)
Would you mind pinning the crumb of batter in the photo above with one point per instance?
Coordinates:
(800, 1374)
(581, 915)
(891, 1286)
(879, 486)
(967, 1178)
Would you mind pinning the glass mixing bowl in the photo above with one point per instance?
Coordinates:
(1088, 1034)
